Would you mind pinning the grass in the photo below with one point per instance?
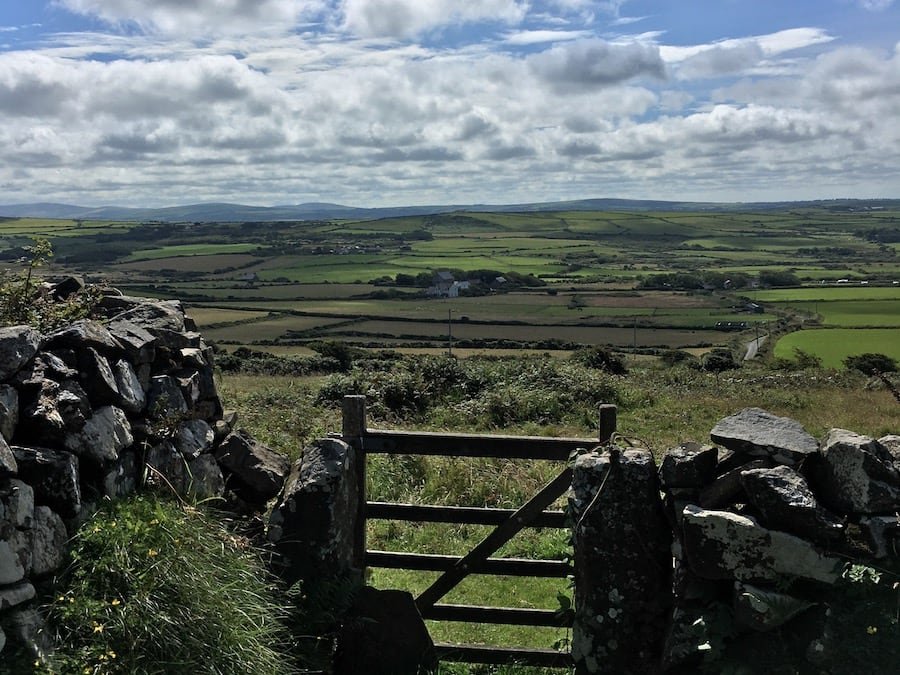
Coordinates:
(191, 250)
(153, 587)
(835, 345)
(853, 313)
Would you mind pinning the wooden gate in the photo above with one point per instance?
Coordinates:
(507, 523)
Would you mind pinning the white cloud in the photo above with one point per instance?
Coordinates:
(198, 17)
(596, 63)
(875, 5)
(534, 37)
(408, 18)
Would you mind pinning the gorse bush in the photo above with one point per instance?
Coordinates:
(157, 587)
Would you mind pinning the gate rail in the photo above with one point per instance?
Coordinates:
(507, 523)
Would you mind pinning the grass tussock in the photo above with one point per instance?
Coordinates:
(157, 587)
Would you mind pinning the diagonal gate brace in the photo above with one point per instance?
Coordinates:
(474, 559)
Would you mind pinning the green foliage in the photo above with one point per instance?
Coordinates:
(23, 300)
(778, 278)
(719, 360)
(871, 364)
(157, 587)
(480, 393)
(600, 358)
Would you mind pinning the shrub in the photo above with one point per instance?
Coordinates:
(155, 587)
(871, 364)
(719, 360)
(600, 359)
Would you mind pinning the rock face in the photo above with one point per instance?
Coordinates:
(756, 432)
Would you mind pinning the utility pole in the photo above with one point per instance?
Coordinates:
(449, 333)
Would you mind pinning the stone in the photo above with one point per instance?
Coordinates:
(122, 477)
(18, 345)
(139, 345)
(67, 287)
(623, 563)
(193, 438)
(313, 525)
(176, 340)
(763, 609)
(221, 429)
(205, 479)
(11, 568)
(725, 545)
(690, 465)
(53, 476)
(858, 474)
(891, 443)
(189, 384)
(786, 503)
(97, 378)
(154, 315)
(131, 396)
(41, 419)
(17, 499)
(883, 534)
(82, 334)
(27, 627)
(166, 468)
(8, 466)
(165, 397)
(385, 635)
(104, 435)
(54, 366)
(12, 596)
(73, 405)
(259, 471)
(727, 488)
(757, 432)
(9, 411)
(50, 539)
(193, 357)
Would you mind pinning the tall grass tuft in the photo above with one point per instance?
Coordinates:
(158, 587)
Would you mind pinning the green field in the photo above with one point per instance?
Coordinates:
(835, 344)
(591, 265)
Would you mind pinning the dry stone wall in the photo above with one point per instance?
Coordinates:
(97, 409)
(762, 526)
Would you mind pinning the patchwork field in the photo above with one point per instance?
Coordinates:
(572, 275)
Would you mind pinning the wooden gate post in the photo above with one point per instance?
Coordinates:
(607, 421)
(353, 430)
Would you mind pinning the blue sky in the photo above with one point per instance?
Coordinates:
(389, 102)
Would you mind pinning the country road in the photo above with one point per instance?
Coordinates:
(753, 347)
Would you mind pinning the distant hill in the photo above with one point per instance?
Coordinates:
(225, 212)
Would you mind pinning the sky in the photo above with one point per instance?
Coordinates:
(411, 102)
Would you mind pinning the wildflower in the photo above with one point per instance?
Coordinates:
(98, 627)
(152, 553)
(871, 630)
(115, 602)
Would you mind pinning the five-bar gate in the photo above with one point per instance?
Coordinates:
(507, 523)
